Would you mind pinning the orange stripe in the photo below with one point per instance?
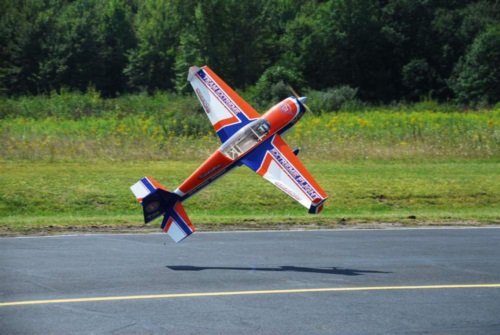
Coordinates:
(248, 110)
(268, 158)
(169, 223)
(156, 184)
(278, 117)
(217, 158)
(226, 122)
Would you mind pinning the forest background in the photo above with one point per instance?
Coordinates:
(93, 94)
(386, 50)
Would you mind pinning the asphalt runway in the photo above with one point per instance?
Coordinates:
(420, 281)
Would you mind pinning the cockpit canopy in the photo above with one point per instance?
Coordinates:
(245, 139)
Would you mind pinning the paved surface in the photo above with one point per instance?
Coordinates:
(259, 283)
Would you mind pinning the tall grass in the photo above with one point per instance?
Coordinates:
(388, 134)
(69, 126)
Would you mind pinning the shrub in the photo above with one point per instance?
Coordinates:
(272, 86)
(332, 99)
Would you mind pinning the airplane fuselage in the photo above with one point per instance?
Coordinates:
(277, 120)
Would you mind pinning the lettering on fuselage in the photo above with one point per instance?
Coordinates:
(204, 103)
(301, 181)
(212, 85)
(208, 173)
(214, 177)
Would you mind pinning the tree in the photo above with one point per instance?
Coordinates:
(116, 38)
(22, 27)
(428, 37)
(339, 42)
(386, 49)
(413, 43)
(71, 51)
(274, 84)
(234, 37)
(476, 78)
(151, 63)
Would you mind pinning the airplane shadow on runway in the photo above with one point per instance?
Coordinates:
(330, 271)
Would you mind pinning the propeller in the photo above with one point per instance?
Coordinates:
(301, 99)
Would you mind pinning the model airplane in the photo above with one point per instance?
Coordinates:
(247, 139)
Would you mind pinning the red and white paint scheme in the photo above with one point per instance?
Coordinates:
(247, 139)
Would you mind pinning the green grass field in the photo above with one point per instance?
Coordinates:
(41, 195)
(67, 161)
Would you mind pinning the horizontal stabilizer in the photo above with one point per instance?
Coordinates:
(153, 196)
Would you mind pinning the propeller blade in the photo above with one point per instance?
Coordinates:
(290, 88)
(308, 109)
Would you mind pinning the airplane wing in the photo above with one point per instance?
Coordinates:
(227, 111)
(276, 162)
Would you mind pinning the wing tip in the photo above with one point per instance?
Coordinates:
(193, 70)
(317, 207)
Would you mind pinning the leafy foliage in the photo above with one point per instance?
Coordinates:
(272, 86)
(477, 75)
(151, 62)
(389, 50)
(332, 99)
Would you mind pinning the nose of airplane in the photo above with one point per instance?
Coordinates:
(302, 100)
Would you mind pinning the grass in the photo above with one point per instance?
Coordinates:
(41, 195)
(343, 136)
(71, 126)
(67, 160)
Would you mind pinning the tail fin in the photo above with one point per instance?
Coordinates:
(176, 223)
(156, 201)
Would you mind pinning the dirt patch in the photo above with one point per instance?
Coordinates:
(246, 226)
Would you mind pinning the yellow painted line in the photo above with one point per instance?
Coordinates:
(222, 294)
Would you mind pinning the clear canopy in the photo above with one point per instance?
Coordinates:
(245, 138)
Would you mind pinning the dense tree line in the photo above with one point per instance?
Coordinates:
(386, 49)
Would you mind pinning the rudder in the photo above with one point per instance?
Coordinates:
(156, 201)
(176, 223)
